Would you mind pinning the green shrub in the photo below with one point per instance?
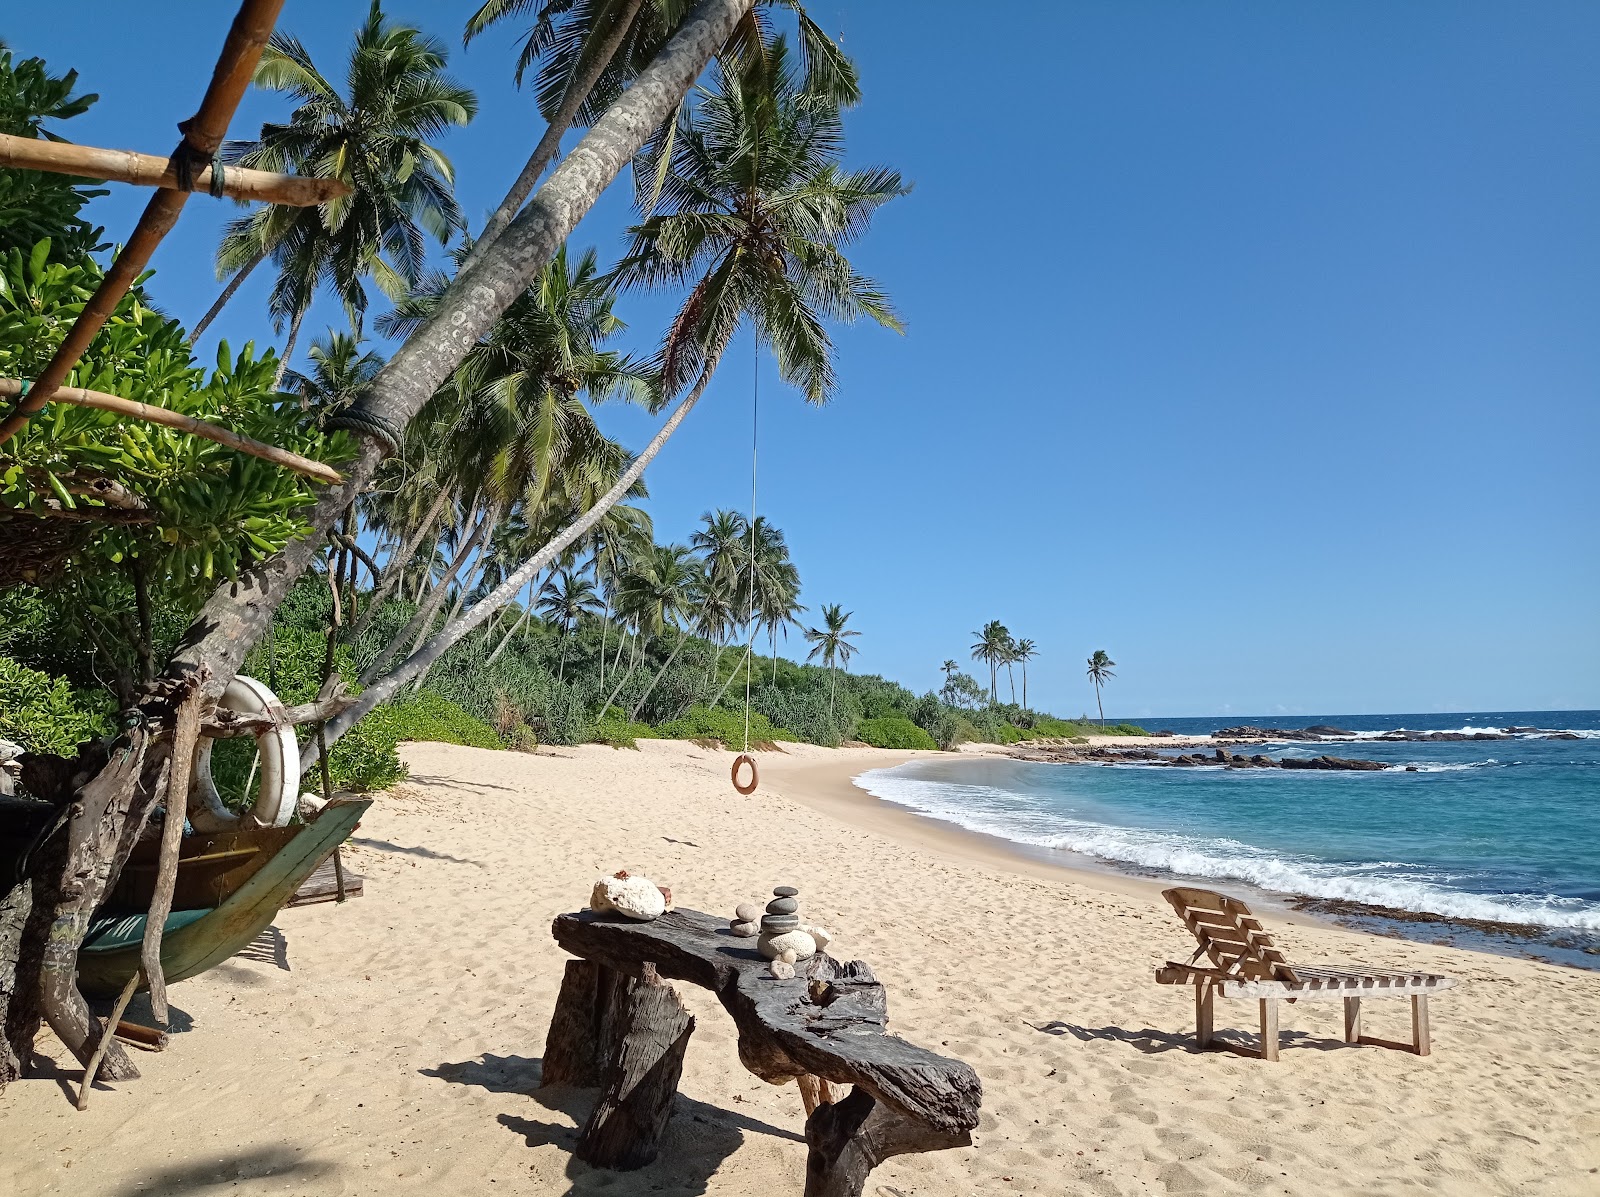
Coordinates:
(365, 758)
(954, 730)
(893, 731)
(717, 723)
(45, 714)
(614, 729)
(566, 718)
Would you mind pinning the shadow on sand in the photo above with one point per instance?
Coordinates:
(699, 1138)
(289, 1168)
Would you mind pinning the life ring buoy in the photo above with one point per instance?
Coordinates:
(279, 787)
(744, 758)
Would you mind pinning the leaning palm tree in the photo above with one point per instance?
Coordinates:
(378, 137)
(832, 643)
(588, 51)
(564, 600)
(993, 642)
(1100, 673)
(1023, 652)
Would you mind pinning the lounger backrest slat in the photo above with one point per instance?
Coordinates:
(1232, 937)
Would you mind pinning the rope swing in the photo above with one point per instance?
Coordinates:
(744, 757)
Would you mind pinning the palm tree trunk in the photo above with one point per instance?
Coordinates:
(394, 569)
(633, 664)
(227, 294)
(1024, 685)
(1011, 676)
(833, 680)
(683, 638)
(288, 349)
(378, 690)
(747, 650)
(577, 91)
(506, 639)
(561, 672)
(1099, 704)
(424, 616)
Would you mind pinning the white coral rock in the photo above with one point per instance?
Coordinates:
(820, 935)
(782, 970)
(636, 898)
(745, 929)
(773, 946)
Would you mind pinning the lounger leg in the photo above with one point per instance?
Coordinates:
(1269, 1028)
(1419, 1024)
(1202, 1013)
(1352, 1020)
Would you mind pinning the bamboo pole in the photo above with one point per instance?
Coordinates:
(202, 135)
(148, 170)
(10, 388)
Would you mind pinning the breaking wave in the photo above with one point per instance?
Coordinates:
(1028, 819)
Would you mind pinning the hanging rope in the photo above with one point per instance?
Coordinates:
(744, 758)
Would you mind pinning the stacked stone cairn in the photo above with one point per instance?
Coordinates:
(782, 937)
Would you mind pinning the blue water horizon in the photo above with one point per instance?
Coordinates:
(1482, 836)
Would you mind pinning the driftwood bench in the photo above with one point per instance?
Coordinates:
(620, 1027)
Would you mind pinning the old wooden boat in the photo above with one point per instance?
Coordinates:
(230, 886)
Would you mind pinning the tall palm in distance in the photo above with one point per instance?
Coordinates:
(379, 138)
(1023, 652)
(992, 644)
(1100, 673)
(832, 643)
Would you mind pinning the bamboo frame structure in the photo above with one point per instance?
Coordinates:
(148, 170)
(202, 137)
(11, 388)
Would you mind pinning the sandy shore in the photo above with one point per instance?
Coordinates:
(392, 1045)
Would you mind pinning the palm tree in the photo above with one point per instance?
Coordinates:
(378, 138)
(993, 642)
(1008, 657)
(832, 643)
(951, 667)
(588, 51)
(1024, 652)
(564, 599)
(774, 584)
(521, 424)
(762, 234)
(1100, 673)
(656, 596)
(340, 369)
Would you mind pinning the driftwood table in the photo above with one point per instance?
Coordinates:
(618, 1025)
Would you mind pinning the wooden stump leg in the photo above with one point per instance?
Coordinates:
(849, 1138)
(1204, 1000)
(1352, 1020)
(572, 1047)
(640, 1084)
(1420, 1036)
(1269, 1028)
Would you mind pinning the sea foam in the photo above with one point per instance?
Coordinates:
(1025, 819)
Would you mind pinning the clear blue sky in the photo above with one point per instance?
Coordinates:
(1253, 343)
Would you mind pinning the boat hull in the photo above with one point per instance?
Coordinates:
(238, 918)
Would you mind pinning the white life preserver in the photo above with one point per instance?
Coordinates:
(278, 787)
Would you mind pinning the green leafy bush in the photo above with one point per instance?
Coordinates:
(614, 729)
(717, 723)
(954, 730)
(45, 714)
(365, 757)
(893, 731)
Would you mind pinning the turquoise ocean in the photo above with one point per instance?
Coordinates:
(1487, 843)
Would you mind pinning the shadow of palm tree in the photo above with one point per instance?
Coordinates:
(429, 853)
(698, 1139)
(283, 1164)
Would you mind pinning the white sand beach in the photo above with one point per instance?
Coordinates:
(391, 1045)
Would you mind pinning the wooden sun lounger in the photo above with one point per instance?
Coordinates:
(1246, 964)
